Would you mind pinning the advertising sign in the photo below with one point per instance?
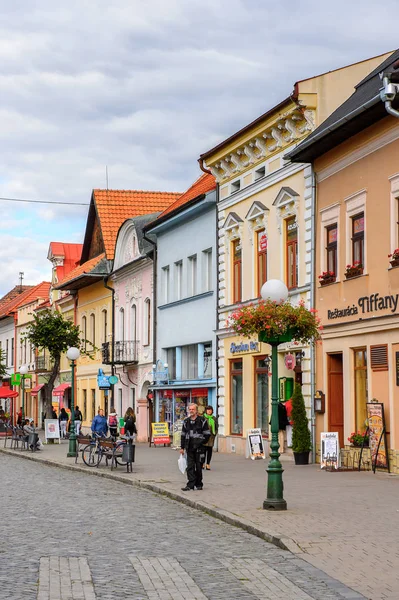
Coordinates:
(103, 380)
(52, 430)
(160, 433)
(377, 435)
(263, 243)
(289, 361)
(255, 444)
(329, 449)
(177, 427)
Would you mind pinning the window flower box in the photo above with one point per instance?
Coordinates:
(327, 277)
(353, 270)
(394, 258)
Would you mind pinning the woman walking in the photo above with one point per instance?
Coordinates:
(213, 428)
(130, 422)
(63, 420)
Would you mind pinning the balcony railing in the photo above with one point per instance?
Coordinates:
(124, 353)
(43, 364)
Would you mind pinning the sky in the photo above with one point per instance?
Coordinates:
(142, 89)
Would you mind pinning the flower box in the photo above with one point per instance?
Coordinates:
(394, 262)
(327, 280)
(353, 270)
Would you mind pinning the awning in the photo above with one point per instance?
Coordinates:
(36, 390)
(60, 389)
(6, 392)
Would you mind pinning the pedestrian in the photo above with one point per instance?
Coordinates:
(99, 424)
(213, 428)
(282, 425)
(78, 420)
(130, 422)
(54, 413)
(19, 417)
(288, 408)
(195, 433)
(113, 422)
(29, 428)
(63, 420)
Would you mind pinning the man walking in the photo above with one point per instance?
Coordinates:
(195, 433)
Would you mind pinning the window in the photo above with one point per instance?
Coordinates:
(105, 326)
(166, 284)
(12, 352)
(261, 395)
(171, 362)
(261, 246)
(192, 275)
(360, 358)
(189, 359)
(259, 173)
(121, 325)
(235, 186)
(93, 329)
(291, 252)
(133, 325)
(84, 411)
(331, 237)
(133, 398)
(236, 405)
(147, 322)
(207, 269)
(358, 239)
(237, 264)
(208, 360)
(93, 403)
(84, 332)
(178, 280)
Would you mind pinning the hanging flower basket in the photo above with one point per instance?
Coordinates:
(276, 323)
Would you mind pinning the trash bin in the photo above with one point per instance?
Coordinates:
(32, 441)
(128, 452)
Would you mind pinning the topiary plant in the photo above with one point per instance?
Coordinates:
(301, 439)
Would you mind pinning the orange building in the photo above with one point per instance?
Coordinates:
(355, 154)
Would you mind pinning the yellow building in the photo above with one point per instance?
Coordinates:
(265, 222)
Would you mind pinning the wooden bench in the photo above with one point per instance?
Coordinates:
(81, 442)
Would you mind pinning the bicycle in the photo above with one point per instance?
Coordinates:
(100, 446)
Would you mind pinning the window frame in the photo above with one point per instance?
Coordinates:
(364, 368)
(294, 245)
(233, 373)
(192, 275)
(166, 283)
(178, 283)
(261, 255)
(332, 247)
(84, 332)
(356, 238)
(237, 266)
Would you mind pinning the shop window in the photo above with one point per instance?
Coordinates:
(237, 274)
(360, 368)
(208, 360)
(331, 238)
(261, 395)
(358, 239)
(291, 236)
(166, 284)
(261, 245)
(236, 396)
(379, 357)
(207, 270)
(84, 407)
(178, 280)
(189, 358)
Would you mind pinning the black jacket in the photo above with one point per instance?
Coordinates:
(200, 433)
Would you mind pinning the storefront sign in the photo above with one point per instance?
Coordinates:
(160, 433)
(329, 449)
(377, 435)
(239, 348)
(255, 444)
(289, 361)
(103, 380)
(366, 304)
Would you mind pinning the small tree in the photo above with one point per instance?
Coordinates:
(3, 367)
(52, 332)
(301, 439)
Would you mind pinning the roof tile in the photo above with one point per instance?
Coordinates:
(205, 183)
(81, 270)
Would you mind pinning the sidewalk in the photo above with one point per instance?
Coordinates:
(345, 524)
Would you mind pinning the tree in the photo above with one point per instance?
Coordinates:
(301, 440)
(52, 332)
(3, 367)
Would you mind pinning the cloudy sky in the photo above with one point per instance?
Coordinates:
(144, 88)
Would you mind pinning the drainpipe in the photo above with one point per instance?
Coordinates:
(154, 299)
(312, 304)
(105, 281)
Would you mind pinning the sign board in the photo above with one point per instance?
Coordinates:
(113, 379)
(103, 380)
(289, 361)
(329, 449)
(16, 379)
(177, 428)
(52, 430)
(263, 243)
(377, 435)
(160, 433)
(255, 444)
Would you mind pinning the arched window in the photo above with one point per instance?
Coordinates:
(93, 329)
(84, 332)
(105, 326)
(122, 325)
(147, 322)
(133, 323)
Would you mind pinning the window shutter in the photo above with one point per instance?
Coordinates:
(379, 357)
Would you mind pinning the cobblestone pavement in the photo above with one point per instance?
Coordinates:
(65, 536)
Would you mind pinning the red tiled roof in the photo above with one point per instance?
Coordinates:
(81, 269)
(205, 183)
(71, 254)
(116, 206)
(16, 291)
(41, 290)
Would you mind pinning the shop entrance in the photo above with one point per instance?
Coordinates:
(336, 395)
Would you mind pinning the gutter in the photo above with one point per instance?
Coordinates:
(313, 305)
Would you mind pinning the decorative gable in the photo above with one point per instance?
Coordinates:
(285, 196)
(287, 205)
(127, 248)
(232, 221)
(256, 211)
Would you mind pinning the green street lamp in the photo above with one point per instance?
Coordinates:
(23, 369)
(276, 291)
(73, 355)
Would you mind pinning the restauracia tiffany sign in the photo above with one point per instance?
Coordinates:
(366, 304)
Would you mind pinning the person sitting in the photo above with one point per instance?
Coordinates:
(29, 428)
(99, 424)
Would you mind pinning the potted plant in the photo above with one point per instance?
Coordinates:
(358, 439)
(394, 258)
(301, 439)
(326, 277)
(354, 270)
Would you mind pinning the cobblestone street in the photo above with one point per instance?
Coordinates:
(69, 536)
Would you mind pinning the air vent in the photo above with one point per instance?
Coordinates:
(379, 358)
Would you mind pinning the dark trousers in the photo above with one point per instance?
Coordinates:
(208, 454)
(194, 469)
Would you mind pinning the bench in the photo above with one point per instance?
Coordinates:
(81, 442)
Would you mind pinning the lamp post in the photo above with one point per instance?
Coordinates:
(23, 369)
(276, 291)
(73, 355)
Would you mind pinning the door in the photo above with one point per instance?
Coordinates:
(336, 396)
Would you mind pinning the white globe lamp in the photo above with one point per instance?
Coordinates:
(274, 290)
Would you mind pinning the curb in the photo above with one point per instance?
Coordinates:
(282, 542)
